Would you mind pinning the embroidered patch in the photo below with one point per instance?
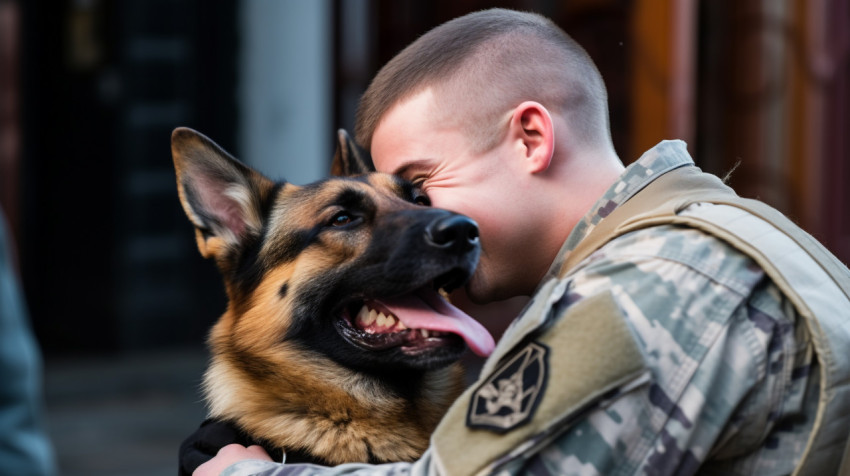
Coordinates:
(510, 396)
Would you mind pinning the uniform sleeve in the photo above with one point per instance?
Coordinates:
(422, 467)
(721, 350)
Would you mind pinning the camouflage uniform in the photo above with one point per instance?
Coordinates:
(723, 376)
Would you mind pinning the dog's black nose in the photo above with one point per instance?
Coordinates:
(452, 232)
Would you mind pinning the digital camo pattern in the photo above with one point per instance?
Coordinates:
(728, 378)
(664, 157)
(734, 383)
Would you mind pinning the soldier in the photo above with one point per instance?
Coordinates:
(674, 327)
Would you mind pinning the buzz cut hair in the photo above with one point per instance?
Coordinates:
(483, 65)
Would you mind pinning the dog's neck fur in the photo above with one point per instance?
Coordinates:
(326, 411)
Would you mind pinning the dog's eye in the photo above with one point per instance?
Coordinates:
(420, 198)
(341, 219)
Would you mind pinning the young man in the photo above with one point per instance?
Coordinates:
(674, 328)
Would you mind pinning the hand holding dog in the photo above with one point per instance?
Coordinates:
(229, 455)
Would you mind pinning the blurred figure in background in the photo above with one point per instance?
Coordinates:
(24, 446)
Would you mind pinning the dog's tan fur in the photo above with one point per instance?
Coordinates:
(277, 390)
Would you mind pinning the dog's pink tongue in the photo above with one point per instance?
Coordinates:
(427, 310)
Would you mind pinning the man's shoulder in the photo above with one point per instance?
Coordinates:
(692, 249)
(678, 289)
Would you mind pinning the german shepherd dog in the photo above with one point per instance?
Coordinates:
(335, 344)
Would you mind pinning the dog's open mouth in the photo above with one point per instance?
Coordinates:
(413, 323)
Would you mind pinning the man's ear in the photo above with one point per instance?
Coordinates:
(221, 196)
(350, 159)
(533, 132)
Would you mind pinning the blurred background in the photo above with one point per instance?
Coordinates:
(119, 298)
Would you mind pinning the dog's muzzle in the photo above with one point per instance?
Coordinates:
(454, 233)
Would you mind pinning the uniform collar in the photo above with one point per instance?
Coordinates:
(666, 156)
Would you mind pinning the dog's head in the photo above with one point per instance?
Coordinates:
(348, 267)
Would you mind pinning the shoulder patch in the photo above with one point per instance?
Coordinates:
(586, 358)
(509, 397)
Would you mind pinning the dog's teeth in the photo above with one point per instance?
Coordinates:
(370, 319)
(424, 333)
(365, 317)
(386, 320)
(391, 321)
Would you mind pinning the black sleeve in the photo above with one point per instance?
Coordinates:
(211, 436)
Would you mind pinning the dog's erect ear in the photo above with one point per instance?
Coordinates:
(222, 197)
(350, 159)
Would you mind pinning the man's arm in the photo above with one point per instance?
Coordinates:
(729, 388)
(237, 460)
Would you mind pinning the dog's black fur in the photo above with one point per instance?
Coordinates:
(290, 366)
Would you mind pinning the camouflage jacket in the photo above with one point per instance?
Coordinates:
(716, 373)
